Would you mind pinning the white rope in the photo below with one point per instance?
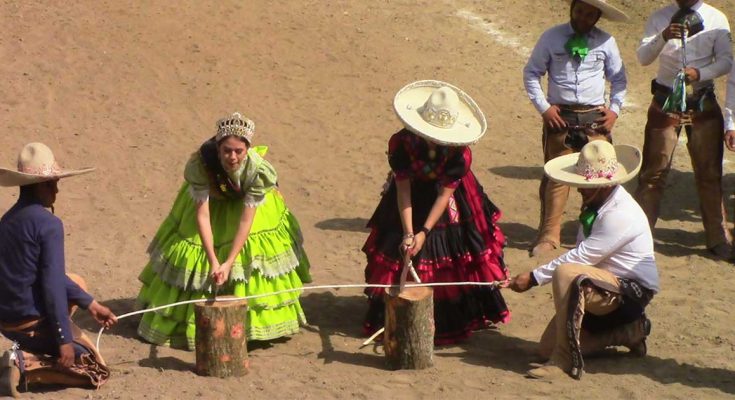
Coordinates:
(303, 288)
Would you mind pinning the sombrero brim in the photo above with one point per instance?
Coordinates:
(15, 178)
(564, 169)
(469, 127)
(609, 12)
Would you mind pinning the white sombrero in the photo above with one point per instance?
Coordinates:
(440, 112)
(36, 163)
(609, 11)
(598, 164)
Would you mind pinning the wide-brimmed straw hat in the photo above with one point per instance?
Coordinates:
(609, 11)
(440, 112)
(598, 164)
(36, 163)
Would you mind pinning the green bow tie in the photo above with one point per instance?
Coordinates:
(587, 218)
(577, 46)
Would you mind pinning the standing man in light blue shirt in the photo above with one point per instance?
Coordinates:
(579, 58)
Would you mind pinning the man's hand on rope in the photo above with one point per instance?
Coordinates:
(520, 283)
(102, 314)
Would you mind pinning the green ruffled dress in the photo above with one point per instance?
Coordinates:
(272, 259)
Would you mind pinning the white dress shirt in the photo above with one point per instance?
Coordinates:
(572, 82)
(709, 51)
(620, 242)
(730, 102)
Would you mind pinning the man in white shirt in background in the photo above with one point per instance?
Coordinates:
(579, 58)
(708, 56)
(602, 286)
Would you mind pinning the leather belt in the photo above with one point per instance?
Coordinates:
(579, 108)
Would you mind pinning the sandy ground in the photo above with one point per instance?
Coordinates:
(133, 87)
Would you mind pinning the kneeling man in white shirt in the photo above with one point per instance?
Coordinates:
(602, 286)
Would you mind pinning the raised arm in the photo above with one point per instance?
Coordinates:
(652, 43)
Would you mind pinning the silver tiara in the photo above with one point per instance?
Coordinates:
(235, 125)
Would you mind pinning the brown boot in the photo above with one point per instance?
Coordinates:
(9, 375)
(640, 331)
(632, 335)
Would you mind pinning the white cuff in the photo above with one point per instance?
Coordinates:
(199, 196)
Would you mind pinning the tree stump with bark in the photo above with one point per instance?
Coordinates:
(409, 329)
(221, 343)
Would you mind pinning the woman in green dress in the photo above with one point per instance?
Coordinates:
(229, 232)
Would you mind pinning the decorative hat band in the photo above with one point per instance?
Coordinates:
(603, 167)
(441, 108)
(235, 125)
(439, 118)
(41, 170)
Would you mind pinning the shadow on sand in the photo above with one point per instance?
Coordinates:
(321, 309)
(343, 224)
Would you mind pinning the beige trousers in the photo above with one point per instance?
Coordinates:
(554, 342)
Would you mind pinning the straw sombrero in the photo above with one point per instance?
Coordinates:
(598, 164)
(440, 112)
(36, 163)
(609, 11)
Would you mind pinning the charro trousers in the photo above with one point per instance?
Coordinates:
(553, 195)
(555, 340)
(705, 145)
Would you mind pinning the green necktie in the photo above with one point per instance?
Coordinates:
(587, 218)
(577, 46)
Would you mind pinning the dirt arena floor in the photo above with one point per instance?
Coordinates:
(133, 88)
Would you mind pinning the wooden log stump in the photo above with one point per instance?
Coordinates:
(409, 329)
(221, 343)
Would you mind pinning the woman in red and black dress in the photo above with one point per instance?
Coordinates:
(435, 208)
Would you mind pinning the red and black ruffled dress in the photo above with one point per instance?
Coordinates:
(464, 245)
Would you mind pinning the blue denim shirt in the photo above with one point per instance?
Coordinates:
(572, 82)
(33, 282)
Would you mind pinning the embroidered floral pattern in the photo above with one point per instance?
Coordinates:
(601, 167)
(411, 157)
